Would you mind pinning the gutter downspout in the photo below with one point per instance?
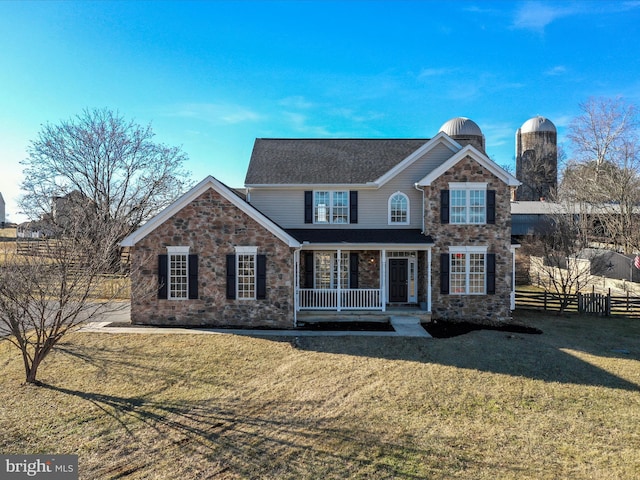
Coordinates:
(417, 187)
(296, 285)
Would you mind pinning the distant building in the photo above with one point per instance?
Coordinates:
(2, 212)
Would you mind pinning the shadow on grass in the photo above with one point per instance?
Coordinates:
(544, 357)
(256, 441)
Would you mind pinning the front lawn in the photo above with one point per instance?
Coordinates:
(485, 405)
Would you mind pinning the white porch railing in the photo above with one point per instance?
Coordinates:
(349, 299)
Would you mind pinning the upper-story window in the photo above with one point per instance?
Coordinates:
(398, 209)
(468, 203)
(331, 207)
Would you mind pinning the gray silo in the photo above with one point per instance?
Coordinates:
(537, 159)
(465, 132)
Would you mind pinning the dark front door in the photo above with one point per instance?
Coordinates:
(398, 280)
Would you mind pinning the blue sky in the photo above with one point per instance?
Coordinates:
(211, 76)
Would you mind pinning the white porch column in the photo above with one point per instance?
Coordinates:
(513, 278)
(296, 286)
(338, 285)
(383, 279)
(429, 280)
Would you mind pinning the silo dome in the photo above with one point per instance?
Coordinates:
(464, 131)
(461, 126)
(538, 124)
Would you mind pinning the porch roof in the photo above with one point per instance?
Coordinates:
(365, 237)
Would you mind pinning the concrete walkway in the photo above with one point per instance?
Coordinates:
(403, 327)
(406, 326)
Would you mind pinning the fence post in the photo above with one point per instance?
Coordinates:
(545, 300)
(608, 304)
(580, 303)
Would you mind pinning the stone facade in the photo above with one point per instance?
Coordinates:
(496, 237)
(212, 227)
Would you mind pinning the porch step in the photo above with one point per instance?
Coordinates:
(408, 326)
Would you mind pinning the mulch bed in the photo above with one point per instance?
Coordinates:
(446, 329)
(347, 326)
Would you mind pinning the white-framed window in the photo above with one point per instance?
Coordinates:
(246, 272)
(468, 203)
(177, 273)
(467, 270)
(330, 207)
(398, 209)
(326, 269)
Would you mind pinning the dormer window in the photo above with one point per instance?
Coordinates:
(398, 209)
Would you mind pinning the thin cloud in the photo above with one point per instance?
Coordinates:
(354, 116)
(498, 134)
(536, 15)
(299, 123)
(556, 71)
(216, 113)
(435, 72)
(296, 101)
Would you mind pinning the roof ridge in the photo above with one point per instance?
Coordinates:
(344, 138)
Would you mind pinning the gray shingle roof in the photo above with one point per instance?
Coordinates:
(281, 161)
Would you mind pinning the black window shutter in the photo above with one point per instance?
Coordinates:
(261, 286)
(231, 277)
(353, 270)
(193, 277)
(308, 270)
(491, 206)
(491, 273)
(308, 206)
(444, 206)
(353, 206)
(163, 269)
(444, 273)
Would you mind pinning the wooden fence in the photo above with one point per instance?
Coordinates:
(594, 303)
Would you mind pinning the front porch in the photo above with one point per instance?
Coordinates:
(348, 283)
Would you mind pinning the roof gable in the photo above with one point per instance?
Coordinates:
(476, 155)
(195, 192)
(440, 139)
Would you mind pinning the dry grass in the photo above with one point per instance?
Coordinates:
(485, 405)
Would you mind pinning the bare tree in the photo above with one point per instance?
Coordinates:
(604, 173)
(104, 164)
(44, 296)
(600, 134)
(559, 251)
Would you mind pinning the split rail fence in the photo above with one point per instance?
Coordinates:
(603, 304)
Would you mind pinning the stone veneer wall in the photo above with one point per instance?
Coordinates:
(497, 237)
(212, 226)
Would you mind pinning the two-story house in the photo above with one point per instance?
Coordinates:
(341, 225)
